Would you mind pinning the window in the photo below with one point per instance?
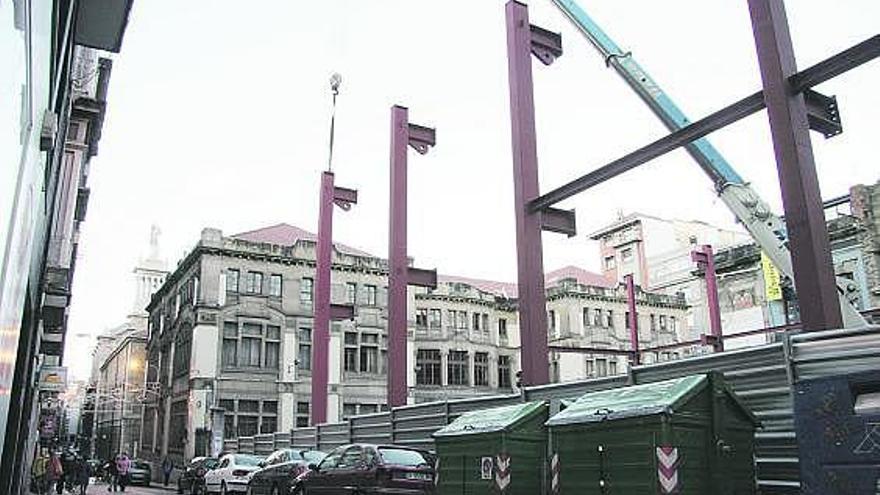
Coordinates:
(477, 321)
(612, 367)
(428, 367)
(601, 368)
(351, 350)
(302, 414)
(254, 283)
(268, 424)
(351, 290)
(590, 369)
(304, 349)
(502, 328)
(461, 320)
(371, 295)
(348, 410)
(182, 349)
(626, 321)
(228, 417)
(551, 320)
(481, 369)
(368, 409)
(422, 317)
(451, 313)
(273, 346)
(597, 317)
(251, 345)
(247, 425)
(504, 372)
(305, 291)
(232, 280)
(586, 317)
(662, 322)
(673, 324)
(230, 344)
(275, 285)
(369, 353)
(457, 368)
(609, 263)
(434, 318)
(626, 254)
(609, 318)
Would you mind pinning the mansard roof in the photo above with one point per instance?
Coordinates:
(284, 234)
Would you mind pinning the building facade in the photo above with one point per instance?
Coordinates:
(231, 330)
(119, 396)
(53, 87)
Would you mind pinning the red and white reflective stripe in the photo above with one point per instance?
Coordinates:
(667, 469)
(554, 473)
(502, 471)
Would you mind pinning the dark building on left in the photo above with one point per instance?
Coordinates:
(53, 88)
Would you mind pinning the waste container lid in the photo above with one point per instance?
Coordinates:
(491, 420)
(624, 402)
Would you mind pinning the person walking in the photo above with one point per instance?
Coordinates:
(112, 475)
(40, 473)
(84, 472)
(56, 473)
(123, 466)
(167, 467)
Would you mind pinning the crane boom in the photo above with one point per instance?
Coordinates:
(765, 227)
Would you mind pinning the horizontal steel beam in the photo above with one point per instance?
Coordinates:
(341, 312)
(421, 277)
(559, 221)
(819, 73)
(588, 350)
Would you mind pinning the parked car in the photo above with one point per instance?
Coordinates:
(368, 468)
(192, 479)
(140, 473)
(278, 473)
(232, 473)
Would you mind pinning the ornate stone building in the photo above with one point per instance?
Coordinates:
(231, 330)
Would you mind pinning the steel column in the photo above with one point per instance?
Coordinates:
(801, 198)
(324, 310)
(705, 259)
(633, 319)
(400, 274)
(530, 265)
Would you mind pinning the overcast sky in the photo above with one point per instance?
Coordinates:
(218, 116)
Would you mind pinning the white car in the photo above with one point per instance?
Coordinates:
(232, 473)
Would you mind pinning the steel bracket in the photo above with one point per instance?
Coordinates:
(421, 277)
(559, 221)
(341, 312)
(546, 45)
(421, 138)
(823, 114)
(344, 197)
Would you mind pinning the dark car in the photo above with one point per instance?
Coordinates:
(279, 471)
(192, 480)
(370, 469)
(140, 473)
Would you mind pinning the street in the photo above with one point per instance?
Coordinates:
(153, 489)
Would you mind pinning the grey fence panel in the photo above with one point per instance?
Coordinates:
(281, 440)
(305, 438)
(371, 428)
(264, 444)
(413, 425)
(230, 445)
(246, 445)
(332, 435)
(825, 353)
(573, 390)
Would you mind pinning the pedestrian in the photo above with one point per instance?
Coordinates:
(40, 473)
(167, 467)
(56, 473)
(112, 475)
(123, 466)
(84, 473)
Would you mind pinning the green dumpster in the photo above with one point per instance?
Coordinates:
(689, 435)
(498, 450)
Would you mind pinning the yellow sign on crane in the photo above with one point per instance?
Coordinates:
(772, 280)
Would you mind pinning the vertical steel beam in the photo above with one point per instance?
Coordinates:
(400, 274)
(705, 259)
(397, 261)
(801, 198)
(633, 318)
(321, 331)
(530, 264)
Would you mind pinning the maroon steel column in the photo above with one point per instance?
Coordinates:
(706, 260)
(530, 264)
(400, 275)
(324, 310)
(633, 318)
(321, 332)
(804, 217)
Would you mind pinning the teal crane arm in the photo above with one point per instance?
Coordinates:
(708, 158)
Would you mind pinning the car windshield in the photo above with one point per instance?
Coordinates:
(140, 465)
(209, 463)
(246, 460)
(313, 456)
(402, 457)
